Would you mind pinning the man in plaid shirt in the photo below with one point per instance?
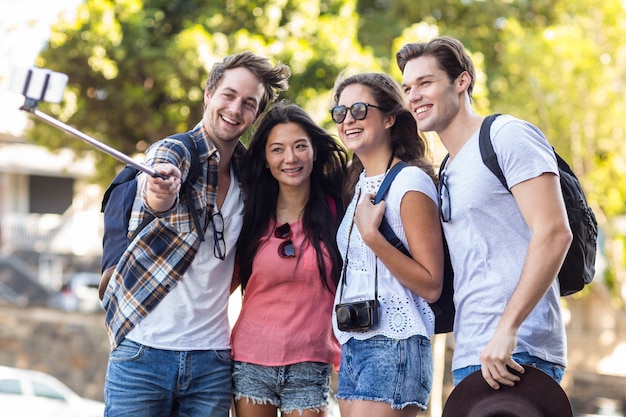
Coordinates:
(167, 300)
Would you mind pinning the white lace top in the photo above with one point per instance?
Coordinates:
(401, 313)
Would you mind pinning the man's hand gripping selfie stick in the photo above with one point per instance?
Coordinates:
(43, 85)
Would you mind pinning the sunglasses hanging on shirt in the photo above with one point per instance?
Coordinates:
(286, 248)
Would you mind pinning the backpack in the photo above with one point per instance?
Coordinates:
(117, 205)
(444, 307)
(579, 265)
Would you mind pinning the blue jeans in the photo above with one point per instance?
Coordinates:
(146, 382)
(398, 372)
(555, 371)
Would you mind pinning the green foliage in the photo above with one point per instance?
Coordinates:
(566, 78)
(137, 68)
(130, 82)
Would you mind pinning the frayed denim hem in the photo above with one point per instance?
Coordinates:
(301, 410)
(382, 400)
(254, 400)
(263, 401)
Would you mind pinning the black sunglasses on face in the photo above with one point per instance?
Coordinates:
(445, 211)
(357, 110)
(219, 247)
(286, 248)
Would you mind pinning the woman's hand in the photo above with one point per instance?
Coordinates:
(368, 217)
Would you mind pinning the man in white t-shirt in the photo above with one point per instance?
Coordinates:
(506, 248)
(167, 299)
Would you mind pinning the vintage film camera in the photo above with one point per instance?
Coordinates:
(360, 315)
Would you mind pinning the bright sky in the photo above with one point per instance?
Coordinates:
(24, 30)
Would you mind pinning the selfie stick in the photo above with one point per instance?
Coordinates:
(30, 105)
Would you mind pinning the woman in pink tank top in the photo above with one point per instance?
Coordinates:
(283, 345)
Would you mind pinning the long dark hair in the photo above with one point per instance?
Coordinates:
(320, 221)
(406, 142)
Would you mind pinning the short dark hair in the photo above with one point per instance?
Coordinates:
(275, 78)
(449, 53)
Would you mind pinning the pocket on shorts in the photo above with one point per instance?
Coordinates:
(426, 363)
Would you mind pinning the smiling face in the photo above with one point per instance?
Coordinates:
(363, 136)
(433, 100)
(232, 108)
(290, 155)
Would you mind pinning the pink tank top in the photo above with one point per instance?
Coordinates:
(286, 313)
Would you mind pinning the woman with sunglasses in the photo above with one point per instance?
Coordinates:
(288, 265)
(386, 356)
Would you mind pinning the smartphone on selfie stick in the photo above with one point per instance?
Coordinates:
(39, 84)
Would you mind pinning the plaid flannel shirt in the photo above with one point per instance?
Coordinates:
(157, 259)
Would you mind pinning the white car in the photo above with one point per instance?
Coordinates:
(79, 294)
(26, 393)
(84, 286)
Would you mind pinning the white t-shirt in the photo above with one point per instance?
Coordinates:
(402, 313)
(488, 240)
(194, 314)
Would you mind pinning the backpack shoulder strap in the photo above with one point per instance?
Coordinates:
(487, 153)
(128, 173)
(332, 204)
(194, 170)
(384, 227)
(391, 175)
(192, 177)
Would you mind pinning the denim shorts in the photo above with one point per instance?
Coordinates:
(296, 387)
(392, 371)
(555, 371)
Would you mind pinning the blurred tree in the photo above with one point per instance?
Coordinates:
(137, 68)
(568, 79)
(130, 82)
(558, 64)
(473, 21)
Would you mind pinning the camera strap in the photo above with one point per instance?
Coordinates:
(345, 261)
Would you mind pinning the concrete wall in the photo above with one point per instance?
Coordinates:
(72, 347)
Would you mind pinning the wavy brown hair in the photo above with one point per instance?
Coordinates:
(274, 78)
(406, 142)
